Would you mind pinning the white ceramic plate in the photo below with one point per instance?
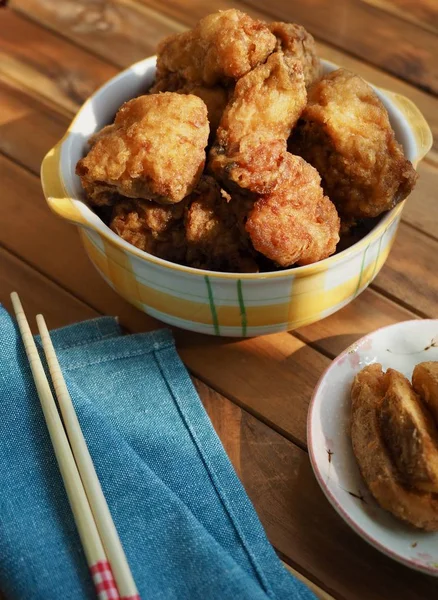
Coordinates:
(400, 346)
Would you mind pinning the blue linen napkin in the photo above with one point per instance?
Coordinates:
(187, 526)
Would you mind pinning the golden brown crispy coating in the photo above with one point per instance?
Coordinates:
(297, 43)
(215, 98)
(346, 135)
(214, 239)
(409, 433)
(295, 224)
(154, 150)
(251, 139)
(380, 474)
(425, 383)
(154, 228)
(222, 46)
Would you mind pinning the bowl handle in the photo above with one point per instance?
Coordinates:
(54, 190)
(420, 128)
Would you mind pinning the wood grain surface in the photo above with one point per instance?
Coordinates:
(52, 56)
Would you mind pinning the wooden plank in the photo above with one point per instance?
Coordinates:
(59, 71)
(272, 376)
(319, 593)
(107, 29)
(423, 13)
(421, 208)
(368, 312)
(28, 127)
(388, 42)
(63, 16)
(302, 525)
(38, 294)
(409, 273)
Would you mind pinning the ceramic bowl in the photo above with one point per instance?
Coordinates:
(205, 301)
(400, 347)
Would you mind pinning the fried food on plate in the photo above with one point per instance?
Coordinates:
(221, 48)
(249, 151)
(154, 228)
(214, 240)
(420, 508)
(297, 43)
(410, 434)
(296, 223)
(215, 98)
(155, 150)
(425, 383)
(346, 135)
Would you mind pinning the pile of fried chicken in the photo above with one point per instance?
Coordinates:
(241, 157)
(394, 431)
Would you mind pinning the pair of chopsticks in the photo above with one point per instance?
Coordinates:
(103, 550)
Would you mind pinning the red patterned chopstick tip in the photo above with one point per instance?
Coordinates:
(104, 581)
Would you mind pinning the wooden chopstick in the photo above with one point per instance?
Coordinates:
(88, 533)
(105, 524)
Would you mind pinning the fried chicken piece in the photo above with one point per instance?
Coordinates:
(346, 135)
(221, 48)
(155, 150)
(250, 144)
(425, 383)
(379, 472)
(214, 239)
(154, 228)
(297, 43)
(215, 98)
(295, 224)
(409, 433)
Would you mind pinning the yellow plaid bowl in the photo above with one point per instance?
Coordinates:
(224, 304)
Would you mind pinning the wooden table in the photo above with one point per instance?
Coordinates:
(52, 56)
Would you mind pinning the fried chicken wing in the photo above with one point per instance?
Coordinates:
(250, 144)
(221, 48)
(297, 43)
(213, 234)
(295, 224)
(154, 228)
(155, 150)
(346, 135)
(215, 97)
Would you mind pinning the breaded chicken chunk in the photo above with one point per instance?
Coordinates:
(251, 139)
(214, 238)
(155, 150)
(215, 97)
(154, 228)
(221, 48)
(297, 43)
(296, 224)
(346, 135)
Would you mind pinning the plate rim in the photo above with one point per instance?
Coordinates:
(433, 571)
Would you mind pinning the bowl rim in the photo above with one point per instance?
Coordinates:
(93, 222)
(319, 475)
